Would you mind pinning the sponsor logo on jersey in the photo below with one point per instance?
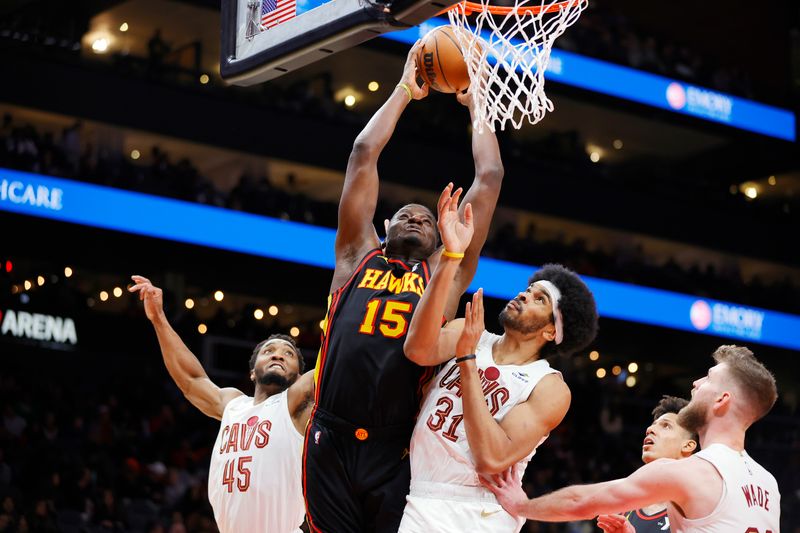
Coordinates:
(522, 376)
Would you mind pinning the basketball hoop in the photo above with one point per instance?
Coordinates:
(507, 51)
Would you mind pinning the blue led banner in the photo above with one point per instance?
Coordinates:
(163, 218)
(650, 89)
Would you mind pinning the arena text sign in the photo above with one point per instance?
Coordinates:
(38, 327)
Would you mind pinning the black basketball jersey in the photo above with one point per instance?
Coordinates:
(363, 375)
(642, 523)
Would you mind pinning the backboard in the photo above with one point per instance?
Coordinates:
(264, 39)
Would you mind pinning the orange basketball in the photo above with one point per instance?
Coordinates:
(441, 61)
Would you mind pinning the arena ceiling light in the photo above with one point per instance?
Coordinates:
(750, 189)
(100, 45)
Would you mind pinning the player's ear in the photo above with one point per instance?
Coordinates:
(549, 333)
(253, 375)
(386, 227)
(688, 448)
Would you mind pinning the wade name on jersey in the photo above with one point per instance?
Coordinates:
(756, 496)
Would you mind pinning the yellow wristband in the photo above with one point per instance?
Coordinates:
(454, 255)
(407, 89)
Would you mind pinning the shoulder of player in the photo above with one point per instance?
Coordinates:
(456, 325)
(685, 474)
(348, 258)
(550, 399)
(226, 396)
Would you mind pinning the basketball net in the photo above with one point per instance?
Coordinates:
(507, 51)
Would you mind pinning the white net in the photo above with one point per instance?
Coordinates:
(507, 56)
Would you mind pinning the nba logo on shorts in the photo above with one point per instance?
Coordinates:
(316, 437)
(700, 315)
(676, 96)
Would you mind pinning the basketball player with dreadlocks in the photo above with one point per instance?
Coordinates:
(254, 478)
(496, 398)
(665, 438)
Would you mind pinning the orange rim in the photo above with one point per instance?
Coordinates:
(472, 7)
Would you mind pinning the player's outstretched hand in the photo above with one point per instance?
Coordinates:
(473, 326)
(151, 295)
(614, 523)
(456, 235)
(508, 489)
(411, 73)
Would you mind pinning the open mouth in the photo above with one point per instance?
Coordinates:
(648, 441)
(275, 365)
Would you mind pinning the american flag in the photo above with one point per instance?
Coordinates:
(273, 12)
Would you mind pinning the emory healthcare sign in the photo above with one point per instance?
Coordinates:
(175, 220)
(726, 319)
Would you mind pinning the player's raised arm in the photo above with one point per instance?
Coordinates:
(664, 480)
(356, 234)
(495, 446)
(427, 343)
(300, 397)
(482, 196)
(181, 363)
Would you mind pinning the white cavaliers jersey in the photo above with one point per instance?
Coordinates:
(750, 502)
(254, 483)
(439, 448)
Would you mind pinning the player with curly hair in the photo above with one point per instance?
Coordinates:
(496, 398)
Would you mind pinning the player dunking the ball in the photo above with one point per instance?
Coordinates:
(356, 470)
(496, 398)
(720, 489)
(254, 478)
(664, 439)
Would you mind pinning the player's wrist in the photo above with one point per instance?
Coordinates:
(466, 358)
(159, 320)
(404, 88)
(452, 255)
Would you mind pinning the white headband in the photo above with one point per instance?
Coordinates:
(555, 298)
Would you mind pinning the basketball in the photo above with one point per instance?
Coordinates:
(441, 61)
